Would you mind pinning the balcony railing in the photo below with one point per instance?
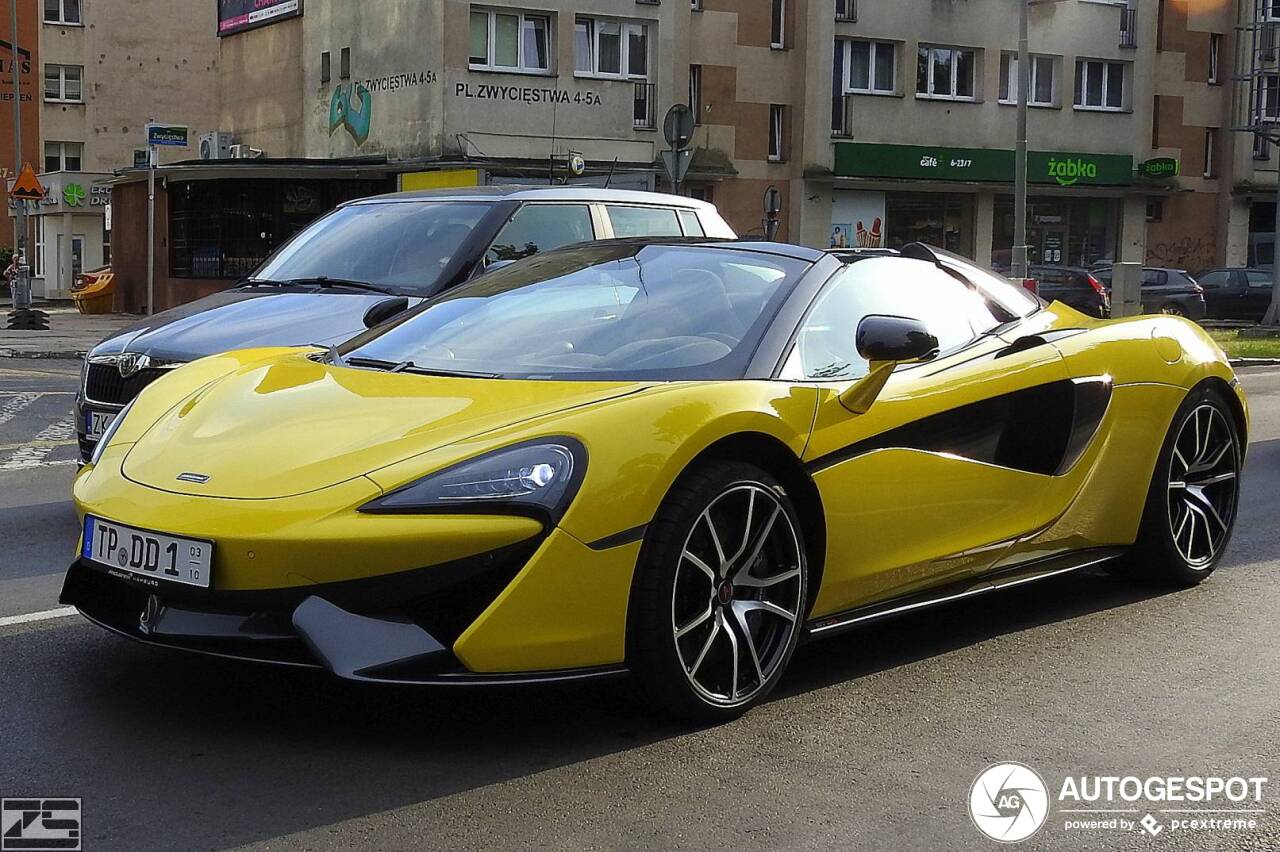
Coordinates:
(842, 116)
(644, 111)
(1128, 27)
(846, 10)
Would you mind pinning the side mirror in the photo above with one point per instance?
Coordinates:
(886, 341)
(384, 311)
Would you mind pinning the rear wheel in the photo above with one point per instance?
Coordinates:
(1173, 309)
(718, 600)
(1191, 506)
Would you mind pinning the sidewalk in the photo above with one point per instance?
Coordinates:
(70, 335)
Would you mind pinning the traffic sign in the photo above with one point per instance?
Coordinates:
(677, 163)
(27, 187)
(167, 135)
(677, 128)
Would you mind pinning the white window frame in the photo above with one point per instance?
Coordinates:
(1082, 68)
(521, 66)
(37, 262)
(62, 155)
(777, 24)
(1271, 10)
(873, 46)
(61, 97)
(777, 129)
(1215, 58)
(62, 20)
(1009, 78)
(846, 10)
(955, 72)
(625, 29)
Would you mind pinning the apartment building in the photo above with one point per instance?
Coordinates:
(105, 70)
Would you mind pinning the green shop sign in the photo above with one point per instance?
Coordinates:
(1159, 167)
(988, 165)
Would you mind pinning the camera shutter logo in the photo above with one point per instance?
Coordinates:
(40, 824)
(1008, 802)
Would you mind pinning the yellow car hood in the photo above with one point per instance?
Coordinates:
(290, 426)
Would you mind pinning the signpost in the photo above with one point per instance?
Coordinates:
(677, 129)
(772, 207)
(158, 136)
(26, 188)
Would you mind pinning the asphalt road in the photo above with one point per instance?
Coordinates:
(872, 742)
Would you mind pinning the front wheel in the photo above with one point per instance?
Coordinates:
(719, 594)
(1191, 506)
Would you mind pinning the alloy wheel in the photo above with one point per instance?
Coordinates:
(736, 604)
(1203, 485)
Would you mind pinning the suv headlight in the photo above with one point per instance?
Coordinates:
(537, 478)
(110, 433)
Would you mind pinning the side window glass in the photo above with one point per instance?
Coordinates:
(692, 227)
(539, 227)
(1259, 279)
(1216, 280)
(825, 344)
(643, 221)
(1152, 277)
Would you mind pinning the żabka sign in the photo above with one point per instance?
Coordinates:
(238, 15)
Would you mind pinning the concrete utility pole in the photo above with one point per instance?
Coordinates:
(21, 290)
(1021, 251)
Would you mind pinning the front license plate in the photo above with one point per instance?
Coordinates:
(96, 423)
(146, 554)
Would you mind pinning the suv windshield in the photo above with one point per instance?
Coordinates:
(401, 246)
(608, 311)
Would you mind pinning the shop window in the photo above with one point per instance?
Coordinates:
(777, 18)
(870, 66)
(62, 12)
(944, 219)
(1215, 55)
(605, 47)
(946, 73)
(63, 156)
(1100, 85)
(510, 41)
(695, 92)
(1060, 231)
(777, 129)
(1044, 83)
(64, 83)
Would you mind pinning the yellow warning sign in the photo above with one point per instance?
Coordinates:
(27, 187)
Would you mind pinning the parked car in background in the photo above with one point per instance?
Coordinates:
(1073, 286)
(366, 262)
(1238, 294)
(1165, 291)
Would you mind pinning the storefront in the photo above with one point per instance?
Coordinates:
(71, 231)
(961, 199)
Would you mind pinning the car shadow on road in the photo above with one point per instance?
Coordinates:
(237, 753)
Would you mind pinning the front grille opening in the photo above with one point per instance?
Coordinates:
(105, 384)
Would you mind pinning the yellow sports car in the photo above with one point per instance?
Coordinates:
(672, 458)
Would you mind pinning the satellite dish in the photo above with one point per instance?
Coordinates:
(677, 128)
(577, 165)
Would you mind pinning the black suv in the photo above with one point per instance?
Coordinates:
(362, 264)
(1165, 291)
(1237, 294)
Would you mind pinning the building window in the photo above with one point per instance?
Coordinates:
(1269, 98)
(777, 14)
(777, 149)
(1215, 54)
(64, 83)
(1271, 10)
(610, 48)
(846, 10)
(946, 73)
(695, 5)
(695, 92)
(1099, 85)
(870, 66)
(510, 41)
(344, 64)
(1210, 142)
(1155, 209)
(1261, 148)
(63, 156)
(1044, 84)
(62, 12)
(37, 262)
(326, 67)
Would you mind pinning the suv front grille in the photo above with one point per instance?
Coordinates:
(107, 386)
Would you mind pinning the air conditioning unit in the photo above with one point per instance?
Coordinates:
(246, 152)
(216, 146)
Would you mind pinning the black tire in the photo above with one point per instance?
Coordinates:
(1173, 309)
(672, 579)
(1184, 531)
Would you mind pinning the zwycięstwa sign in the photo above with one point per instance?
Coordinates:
(236, 16)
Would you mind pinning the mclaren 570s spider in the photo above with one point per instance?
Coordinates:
(671, 458)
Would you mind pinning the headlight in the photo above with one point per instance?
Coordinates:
(539, 478)
(110, 433)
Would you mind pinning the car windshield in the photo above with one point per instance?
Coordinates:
(401, 246)
(609, 311)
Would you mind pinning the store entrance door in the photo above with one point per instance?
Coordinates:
(1053, 246)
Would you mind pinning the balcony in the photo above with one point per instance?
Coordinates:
(644, 109)
(1129, 27)
(842, 117)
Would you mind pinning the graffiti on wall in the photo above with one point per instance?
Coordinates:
(351, 107)
(1190, 253)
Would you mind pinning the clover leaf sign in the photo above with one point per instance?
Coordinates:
(73, 194)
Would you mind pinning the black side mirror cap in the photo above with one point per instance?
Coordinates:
(882, 337)
(385, 310)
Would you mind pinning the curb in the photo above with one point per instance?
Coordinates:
(1255, 362)
(65, 354)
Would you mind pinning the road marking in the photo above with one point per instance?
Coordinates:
(14, 406)
(35, 453)
(4, 448)
(47, 615)
(37, 393)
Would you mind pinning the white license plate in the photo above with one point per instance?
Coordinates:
(96, 423)
(149, 555)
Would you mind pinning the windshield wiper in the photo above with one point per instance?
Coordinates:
(321, 281)
(410, 367)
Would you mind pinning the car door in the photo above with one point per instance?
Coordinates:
(541, 226)
(940, 475)
(1257, 295)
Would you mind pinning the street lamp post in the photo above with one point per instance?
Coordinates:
(22, 283)
(1021, 251)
